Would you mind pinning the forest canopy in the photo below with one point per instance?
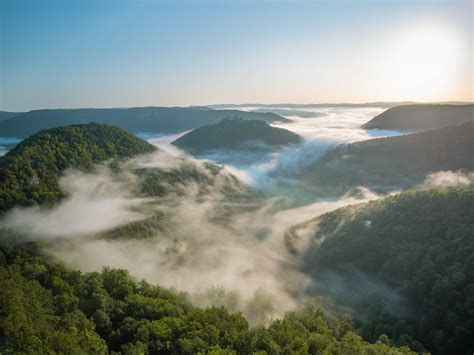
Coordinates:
(421, 245)
(30, 172)
(48, 308)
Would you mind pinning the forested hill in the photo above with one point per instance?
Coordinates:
(421, 243)
(393, 163)
(237, 134)
(420, 117)
(29, 173)
(47, 308)
(137, 119)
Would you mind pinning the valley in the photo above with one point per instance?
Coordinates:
(217, 231)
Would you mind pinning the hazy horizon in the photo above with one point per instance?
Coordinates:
(238, 106)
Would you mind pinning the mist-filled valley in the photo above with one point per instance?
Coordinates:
(366, 231)
(236, 177)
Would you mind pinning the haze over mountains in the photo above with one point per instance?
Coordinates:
(247, 240)
(138, 119)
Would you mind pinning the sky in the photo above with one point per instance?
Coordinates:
(104, 53)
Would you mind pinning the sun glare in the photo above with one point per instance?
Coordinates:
(424, 63)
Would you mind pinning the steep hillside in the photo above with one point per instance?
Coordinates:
(414, 252)
(137, 119)
(419, 117)
(236, 134)
(392, 163)
(29, 173)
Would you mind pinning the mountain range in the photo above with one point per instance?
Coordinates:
(134, 120)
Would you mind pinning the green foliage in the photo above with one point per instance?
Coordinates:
(31, 320)
(420, 244)
(30, 172)
(48, 308)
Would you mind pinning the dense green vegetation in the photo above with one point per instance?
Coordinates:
(420, 244)
(48, 308)
(421, 117)
(236, 133)
(29, 173)
(137, 119)
(392, 163)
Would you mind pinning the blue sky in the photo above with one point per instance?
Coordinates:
(137, 53)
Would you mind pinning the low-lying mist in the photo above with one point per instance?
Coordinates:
(274, 171)
(239, 260)
(447, 179)
(206, 232)
(95, 203)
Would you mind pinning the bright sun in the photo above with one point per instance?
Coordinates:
(423, 64)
